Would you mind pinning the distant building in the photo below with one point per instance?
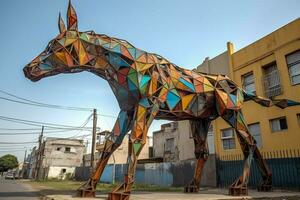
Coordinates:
(31, 163)
(120, 154)
(58, 159)
(174, 142)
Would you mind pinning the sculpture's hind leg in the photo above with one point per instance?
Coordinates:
(199, 131)
(248, 145)
(142, 120)
(266, 184)
(113, 141)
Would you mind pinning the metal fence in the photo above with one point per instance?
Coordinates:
(284, 164)
(162, 174)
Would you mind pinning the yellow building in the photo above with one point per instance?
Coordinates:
(270, 67)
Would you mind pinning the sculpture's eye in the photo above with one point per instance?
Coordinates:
(53, 46)
(48, 48)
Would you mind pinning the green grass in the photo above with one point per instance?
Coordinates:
(66, 185)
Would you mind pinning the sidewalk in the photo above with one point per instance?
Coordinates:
(209, 194)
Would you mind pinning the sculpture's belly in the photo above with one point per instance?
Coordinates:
(201, 106)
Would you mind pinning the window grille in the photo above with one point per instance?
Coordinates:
(271, 81)
(293, 62)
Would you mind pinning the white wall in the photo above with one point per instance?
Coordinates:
(56, 172)
(184, 144)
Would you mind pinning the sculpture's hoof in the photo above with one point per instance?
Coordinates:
(191, 189)
(238, 191)
(265, 188)
(86, 193)
(118, 195)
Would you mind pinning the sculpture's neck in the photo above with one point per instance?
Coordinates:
(107, 55)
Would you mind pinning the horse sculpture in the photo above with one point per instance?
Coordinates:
(148, 86)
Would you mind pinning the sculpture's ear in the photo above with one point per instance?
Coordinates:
(61, 24)
(72, 18)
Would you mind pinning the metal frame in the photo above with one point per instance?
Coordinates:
(148, 86)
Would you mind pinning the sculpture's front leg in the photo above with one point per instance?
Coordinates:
(112, 142)
(199, 130)
(142, 121)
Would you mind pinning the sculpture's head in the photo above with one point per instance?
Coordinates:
(69, 52)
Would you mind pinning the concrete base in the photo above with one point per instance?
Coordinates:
(207, 194)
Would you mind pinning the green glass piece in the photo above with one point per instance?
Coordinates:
(137, 147)
(133, 78)
(84, 37)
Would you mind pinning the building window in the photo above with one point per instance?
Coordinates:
(255, 132)
(58, 148)
(278, 124)
(228, 139)
(248, 82)
(293, 62)
(271, 80)
(67, 149)
(169, 145)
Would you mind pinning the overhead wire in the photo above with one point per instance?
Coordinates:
(36, 103)
(13, 147)
(54, 128)
(32, 142)
(83, 125)
(20, 129)
(14, 150)
(105, 115)
(39, 124)
(37, 133)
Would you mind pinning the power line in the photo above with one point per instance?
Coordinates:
(35, 103)
(10, 147)
(37, 129)
(39, 104)
(80, 128)
(36, 123)
(20, 129)
(83, 125)
(109, 116)
(17, 150)
(32, 142)
(36, 133)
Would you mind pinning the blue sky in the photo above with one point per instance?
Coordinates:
(185, 32)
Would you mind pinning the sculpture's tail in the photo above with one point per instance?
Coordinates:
(281, 103)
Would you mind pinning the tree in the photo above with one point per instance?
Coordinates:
(8, 162)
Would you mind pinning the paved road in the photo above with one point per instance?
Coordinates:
(16, 190)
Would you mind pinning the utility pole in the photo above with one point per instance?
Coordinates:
(23, 167)
(93, 139)
(38, 159)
